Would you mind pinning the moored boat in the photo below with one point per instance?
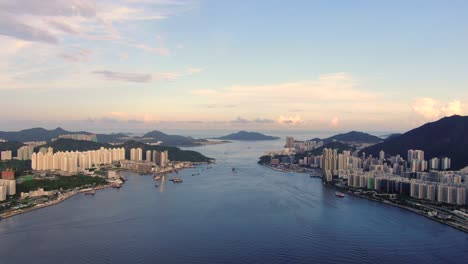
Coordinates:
(339, 194)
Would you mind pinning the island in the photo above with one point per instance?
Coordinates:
(247, 136)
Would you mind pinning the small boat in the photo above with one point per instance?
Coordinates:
(341, 195)
(156, 185)
(195, 174)
(157, 178)
(92, 192)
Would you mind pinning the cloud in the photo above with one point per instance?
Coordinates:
(290, 120)
(431, 109)
(13, 28)
(121, 76)
(263, 121)
(329, 87)
(453, 108)
(240, 120)
(169, 76)
(158, 50)
(76, 55)
(335, 122)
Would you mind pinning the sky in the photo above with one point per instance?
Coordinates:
(225, 64)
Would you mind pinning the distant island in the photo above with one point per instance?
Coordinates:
(352, 137)
(247, 136)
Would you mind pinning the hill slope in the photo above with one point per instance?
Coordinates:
(175, 154)
(244, 135)
(36, 134)
(446, 137)
(173, 140)
(353, 136)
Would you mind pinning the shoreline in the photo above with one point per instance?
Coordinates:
(460, 228)
(416, 211)
(59, 200)
(68, 195)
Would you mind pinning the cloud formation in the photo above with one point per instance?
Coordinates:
(431, 109)
(121, 76)
(141, 77)
(290, 120)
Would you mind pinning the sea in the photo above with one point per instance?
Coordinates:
(251, 214)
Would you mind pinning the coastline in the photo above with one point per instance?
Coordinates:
(399, 206)
(70, 194)
(59, 200)
(458, 227)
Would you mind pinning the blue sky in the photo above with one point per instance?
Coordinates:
(339, 65)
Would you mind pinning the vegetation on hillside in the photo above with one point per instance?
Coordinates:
(64, 183)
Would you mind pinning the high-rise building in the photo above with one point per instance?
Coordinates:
(289, 142)
(381, 155)
(148, 155)
(6, 155)
(25, 152)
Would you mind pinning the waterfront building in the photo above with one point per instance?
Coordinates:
(3, 193)
(10, 186)
(148, 156)
(161, 158)
(8, 174)
(73, 162)
(6, 155)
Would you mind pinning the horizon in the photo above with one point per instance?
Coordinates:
(180, 65)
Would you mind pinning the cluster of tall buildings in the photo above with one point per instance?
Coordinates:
(161, 158)
(75, 161)
(25, 152)
(302, 146)
(452, 193)
(86, 137)
(395, 175)
(7, 187)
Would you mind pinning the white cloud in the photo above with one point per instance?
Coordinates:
(431, 109)
(335, 122)
(290, 120)
(453, 108)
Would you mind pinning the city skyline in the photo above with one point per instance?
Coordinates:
(264, 65)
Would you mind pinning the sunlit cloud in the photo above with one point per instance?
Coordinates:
(290, 120)
(431, 109)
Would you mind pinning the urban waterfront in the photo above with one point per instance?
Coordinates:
(251, 215)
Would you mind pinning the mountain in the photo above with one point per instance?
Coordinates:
(65, 144)
(175, 154)
(331, 145)
(445, 137)
(36, 134)
(108, 138)
(353, 136)
(173, 140)
(247, 136)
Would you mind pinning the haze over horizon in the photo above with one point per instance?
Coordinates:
(205, 64)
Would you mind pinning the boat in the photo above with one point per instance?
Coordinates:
(341, 195)
(92, 192)
(156, 185)
(157, 178)
(195, 174)
(176, 180)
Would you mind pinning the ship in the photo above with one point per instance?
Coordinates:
(341, 195)
(91, 192)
